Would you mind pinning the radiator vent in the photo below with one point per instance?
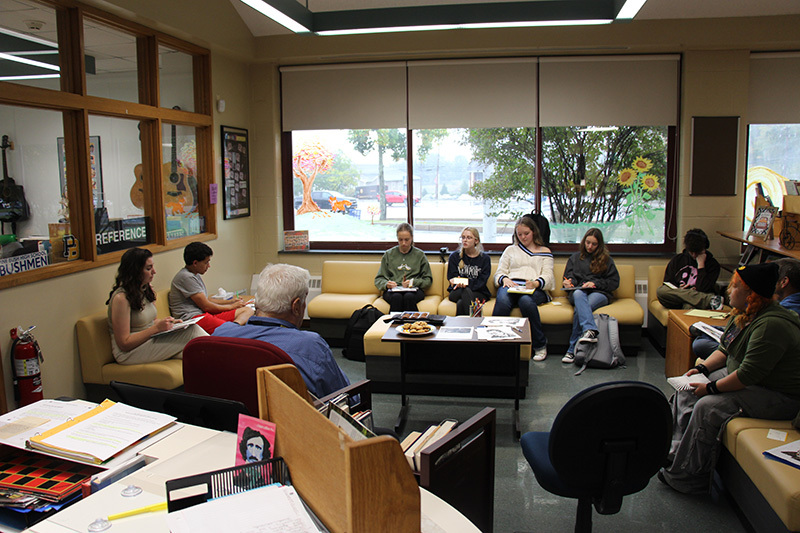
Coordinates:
(314, 288)
(640, 294)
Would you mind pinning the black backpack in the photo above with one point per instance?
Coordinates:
(543, 225)
(360, 321)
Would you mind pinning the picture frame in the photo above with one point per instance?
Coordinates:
(95, 166)
(762, 222)
(235, 172)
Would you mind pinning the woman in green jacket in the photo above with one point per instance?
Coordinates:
(405, 272)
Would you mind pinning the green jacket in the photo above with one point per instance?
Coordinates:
(767, 351)
(413, 265)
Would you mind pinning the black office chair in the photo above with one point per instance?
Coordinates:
(605, 443)
(204, 411)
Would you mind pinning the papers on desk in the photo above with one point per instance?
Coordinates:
(496, 333)
(275, 508)
(179, 326)
(455, 332)
(510, 321)
(97, 435)
(704, 313)
(21, 424)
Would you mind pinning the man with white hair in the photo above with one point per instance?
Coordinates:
(280, 306)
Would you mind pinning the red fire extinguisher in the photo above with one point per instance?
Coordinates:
(25, 358)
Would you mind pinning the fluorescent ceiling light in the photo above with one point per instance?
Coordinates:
(477, 25)
(31, 62)
(530, 13)
(31, 77)
(27, 37)
(267, 9)
(630, 9)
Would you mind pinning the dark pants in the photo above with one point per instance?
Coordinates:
(463, 297)
(404, 300)
(529, 307)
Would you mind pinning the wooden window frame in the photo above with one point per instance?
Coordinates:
(76, 106)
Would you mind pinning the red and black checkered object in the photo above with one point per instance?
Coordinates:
(47, 477)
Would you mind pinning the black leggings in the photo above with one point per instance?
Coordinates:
(404, 300)
(463, 297)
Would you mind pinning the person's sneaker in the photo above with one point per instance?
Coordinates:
(540, 353)
(717, 303)
(568, 358)
(589, 335)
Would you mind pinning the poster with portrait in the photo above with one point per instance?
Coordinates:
(235, 172)
(762, 221)
(255, 440)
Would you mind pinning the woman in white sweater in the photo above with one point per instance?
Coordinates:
(526, 264)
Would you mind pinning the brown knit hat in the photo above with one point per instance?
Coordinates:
(760, 278)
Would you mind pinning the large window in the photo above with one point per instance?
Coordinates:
(123, 161)
(470, 147)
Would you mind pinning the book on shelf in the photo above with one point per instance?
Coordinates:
(352, 427)
(178, 326)
(101, 433)
(412, 450)
(685, 382)
(786, 453)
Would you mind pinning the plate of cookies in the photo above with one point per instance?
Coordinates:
(416, 329)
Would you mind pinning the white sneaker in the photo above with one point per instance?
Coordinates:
(589, 335)
(568, 358)
(540, 353)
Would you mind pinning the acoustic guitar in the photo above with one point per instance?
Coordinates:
(179, 195)
(13, 206)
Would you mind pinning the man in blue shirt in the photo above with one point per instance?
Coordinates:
(787, 292)
(280, 306)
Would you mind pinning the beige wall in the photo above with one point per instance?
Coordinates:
(715, 81)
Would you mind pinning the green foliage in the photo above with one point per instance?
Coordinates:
(342, 177)
(579, 168)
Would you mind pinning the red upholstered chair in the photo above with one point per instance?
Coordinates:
(225, 367)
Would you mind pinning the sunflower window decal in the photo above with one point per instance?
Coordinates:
(639, 186)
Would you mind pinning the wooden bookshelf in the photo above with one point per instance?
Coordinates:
(362, 486)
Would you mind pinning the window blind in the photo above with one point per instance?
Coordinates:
(774, 86)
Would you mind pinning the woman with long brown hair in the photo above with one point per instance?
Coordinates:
(590, 276)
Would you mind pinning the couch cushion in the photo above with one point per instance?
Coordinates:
(739, 424)
(337, 305)
(778, 483)
(160, 374)
(350, 277)
(655, 278)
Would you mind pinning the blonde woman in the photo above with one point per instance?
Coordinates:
(470, 263)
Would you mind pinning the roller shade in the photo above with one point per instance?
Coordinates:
(609, 90)
(774, 96)
(357, 96)
(472, 93)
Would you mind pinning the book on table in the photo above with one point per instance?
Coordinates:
(101, 433)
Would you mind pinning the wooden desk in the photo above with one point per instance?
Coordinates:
(679, 355)
(430, 356)
(765, 248)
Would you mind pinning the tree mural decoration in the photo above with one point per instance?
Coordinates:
(311, 159)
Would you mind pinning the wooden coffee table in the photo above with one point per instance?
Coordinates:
(679, 355)
(430, 357)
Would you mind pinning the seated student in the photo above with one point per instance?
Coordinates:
(787, 292)
(755, 373)
(468, 262)
(528, 264)
(594, 272)
(132, 315)
(188, 296)
(404, 266)
(694, 274)
(280, 306)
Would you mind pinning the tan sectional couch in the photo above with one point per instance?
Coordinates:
(767, 492)
(99, 368)
(657, 314)
(348, 286)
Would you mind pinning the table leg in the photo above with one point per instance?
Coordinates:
(401, 417)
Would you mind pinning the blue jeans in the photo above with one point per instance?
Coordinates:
(584, 303)
(529, 307)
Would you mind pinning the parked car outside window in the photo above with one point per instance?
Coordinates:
(398, 197)
(322, 199)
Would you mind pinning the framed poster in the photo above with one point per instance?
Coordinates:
(235, 172)
(95, 166)
(762, 221)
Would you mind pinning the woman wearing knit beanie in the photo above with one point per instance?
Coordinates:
(755, 372)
